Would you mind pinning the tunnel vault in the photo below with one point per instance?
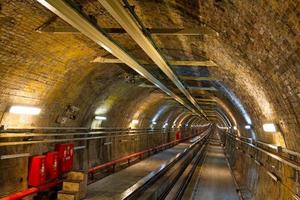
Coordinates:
(153, 65)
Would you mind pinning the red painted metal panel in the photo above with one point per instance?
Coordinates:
(65, 157)
(52, 165)
(37, 174)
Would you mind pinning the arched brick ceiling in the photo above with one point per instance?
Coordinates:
(254, 43)
(257, 50)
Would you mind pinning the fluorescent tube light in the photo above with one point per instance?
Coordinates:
(25, 110)
(100, 118)
(269, 127)
(248, 127)
(135, 121)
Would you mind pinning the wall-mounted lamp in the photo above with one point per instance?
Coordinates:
(25, 110)
(234, 128)
(248, 127)
(100, 118)
(165, 125)
(269, 127)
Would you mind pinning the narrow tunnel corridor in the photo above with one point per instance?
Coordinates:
(150, 99)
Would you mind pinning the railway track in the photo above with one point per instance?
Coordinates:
(171, 180)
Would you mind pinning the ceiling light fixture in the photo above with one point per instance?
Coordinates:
(25, 110)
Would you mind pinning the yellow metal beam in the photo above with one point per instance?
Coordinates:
(195, 78)
(65, 29)
(78, 21)
(206, 63)
(203, 99)
(202, 88)
(121, 15)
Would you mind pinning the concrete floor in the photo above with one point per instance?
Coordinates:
(112, 186)
(215, 181)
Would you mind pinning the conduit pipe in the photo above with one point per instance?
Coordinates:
(91, 133)
(45, 141)
(78, 21)
(30, 191)
(116, 9)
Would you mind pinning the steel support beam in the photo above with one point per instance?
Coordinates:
(196, 78)
(194, 88)
(198, 99)
(206, 103)
(48, 28)
(117, 10)
(190, 88)
(148, 86)
(71, 16)
(202, 99)
(205, 63)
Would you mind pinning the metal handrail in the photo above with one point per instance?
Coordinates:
(280, 159)
(278, 149)
(33, 190)
(273, 146)
(136, 155)
(67, 140)
(22, 134)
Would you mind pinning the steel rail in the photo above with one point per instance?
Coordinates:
(78, 21)
(141, 185)
(188, 176)
(117, 10)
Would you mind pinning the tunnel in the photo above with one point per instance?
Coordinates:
(150, 99)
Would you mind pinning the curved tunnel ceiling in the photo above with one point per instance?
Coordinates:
(255, 80)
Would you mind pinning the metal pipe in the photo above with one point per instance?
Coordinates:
(45, 141)
(30, 191)
(116, 9)
(78, 21)
(21, 194)
(20, 155)
(11, 135)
